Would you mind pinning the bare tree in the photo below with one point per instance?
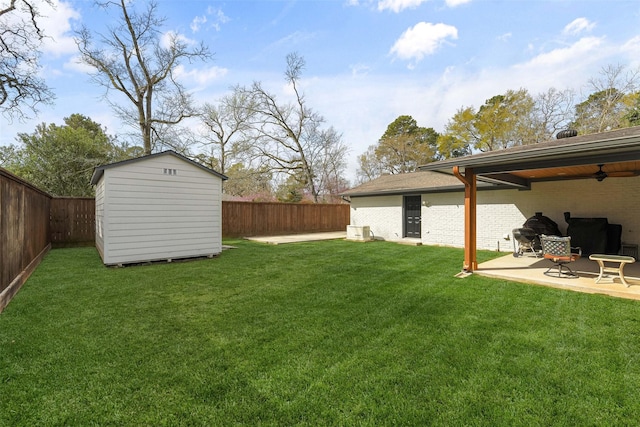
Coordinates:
(327, 158)
(552, 112)
(20, 39)
(369, 168)
(611, 98)
(289, 136)
(135, 59)
(226, 125)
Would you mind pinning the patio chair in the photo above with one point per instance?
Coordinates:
(527, 240)
(558, 250)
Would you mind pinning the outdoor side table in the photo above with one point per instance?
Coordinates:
(620, 260)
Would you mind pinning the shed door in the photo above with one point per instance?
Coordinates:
(412, 216)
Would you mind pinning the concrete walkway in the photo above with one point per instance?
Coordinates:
(297, 238)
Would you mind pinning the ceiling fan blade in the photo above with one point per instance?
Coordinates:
(623, 174)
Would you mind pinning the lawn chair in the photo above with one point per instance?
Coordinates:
(558, 249)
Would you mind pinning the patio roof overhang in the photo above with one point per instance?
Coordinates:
(569, 158)
(579, 157)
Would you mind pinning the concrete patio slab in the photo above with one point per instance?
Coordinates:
(531, 270)
(297, 238)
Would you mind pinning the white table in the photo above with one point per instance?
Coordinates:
(620, 260)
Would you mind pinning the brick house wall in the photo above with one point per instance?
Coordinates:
(500, 211)
(382, 213)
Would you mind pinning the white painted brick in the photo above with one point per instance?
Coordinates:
(500, 211)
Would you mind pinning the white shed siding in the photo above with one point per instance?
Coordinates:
(100, 217)
(161, 208)
(500, 211)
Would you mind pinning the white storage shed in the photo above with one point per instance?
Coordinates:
(162, 206)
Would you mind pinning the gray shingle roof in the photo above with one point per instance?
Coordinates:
(415, 182)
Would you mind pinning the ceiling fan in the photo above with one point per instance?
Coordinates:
(600, 175)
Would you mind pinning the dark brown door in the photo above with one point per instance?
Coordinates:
(412, 216)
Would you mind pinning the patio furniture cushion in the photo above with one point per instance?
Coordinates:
(558, 250)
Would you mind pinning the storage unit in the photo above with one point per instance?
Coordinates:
(158, 207)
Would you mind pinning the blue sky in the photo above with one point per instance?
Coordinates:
(367, 62)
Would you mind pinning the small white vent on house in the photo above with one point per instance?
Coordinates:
(358, 232)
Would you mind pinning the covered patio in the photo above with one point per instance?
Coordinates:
(528, 269)
(588, 158)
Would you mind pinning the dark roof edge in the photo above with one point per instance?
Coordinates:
(559, 147)
(99, 171)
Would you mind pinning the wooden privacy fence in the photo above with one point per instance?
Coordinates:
(73, 221)
(24, 232)
(242, 219)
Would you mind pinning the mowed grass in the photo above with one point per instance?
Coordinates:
(324, 333)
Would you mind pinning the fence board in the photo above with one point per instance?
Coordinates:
(244, 219)
(24, 232)
(72, 221)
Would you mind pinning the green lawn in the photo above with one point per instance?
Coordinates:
(325, 333)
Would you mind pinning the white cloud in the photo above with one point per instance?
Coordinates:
(632, 46)
(505, 37)
(399, 5)
(422, 39)
(75, 64)
(564, 57)
(56, 24)
(631, 50)
(197, 22)
(578, 26)
(199, 77)
(218, 18)
(454, 3)
(165, 40)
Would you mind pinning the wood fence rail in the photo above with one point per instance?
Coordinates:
(243, 219)
(24, 232)
(73, 221)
